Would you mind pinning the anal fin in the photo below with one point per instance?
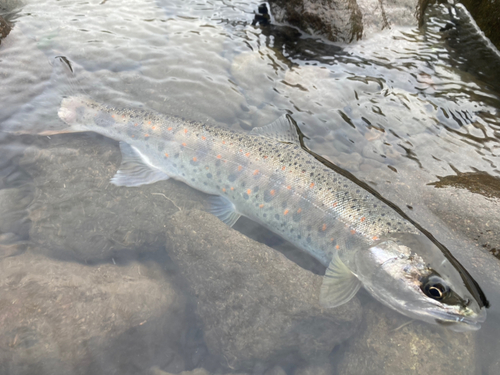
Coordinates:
(136, 169)
(224, 209)
(339, 284)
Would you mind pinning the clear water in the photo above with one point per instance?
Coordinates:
(408, 112)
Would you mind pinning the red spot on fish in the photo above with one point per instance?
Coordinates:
(146, 135)
(166, 155)
(363, 219)
(185, 131)
(113, 116)
(335, 204)
(332, 239)
(169, 129)
(249, 191)
(261, 206)
(223, 142)
(299, 210)
(312, 185)
(136, 124)
(337, 247)
(288, 187)
(133, 136)
(241, 150)
(194, 159)
(256, 172)
(154, 127)
(239, 168)
(283, 168)
(247, 154)
(149, 122)
(374, 238)
(219, 156)
(286, 212)
(224, 190)
(353, 231)
(184, 144)
(323, 228)
(203, 137)
(232, 188)
(265, 157)
(273, 192)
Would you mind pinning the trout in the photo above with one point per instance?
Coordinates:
(268, 177)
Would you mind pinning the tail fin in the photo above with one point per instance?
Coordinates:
(40, 115)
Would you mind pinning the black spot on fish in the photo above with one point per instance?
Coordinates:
(277, 217)
(209, 175)
(265, 215)
(218, 163)
(308, 228)
(245, 196)
(255, 189)
(296, 217)
(308, 239)
(232, 177)
(161, 146)
(176, 156)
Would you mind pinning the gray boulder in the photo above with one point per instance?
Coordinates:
(255, 305)
(67, 318)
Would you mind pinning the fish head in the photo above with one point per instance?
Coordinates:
(412, 275)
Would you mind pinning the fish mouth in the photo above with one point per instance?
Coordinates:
(460, 323)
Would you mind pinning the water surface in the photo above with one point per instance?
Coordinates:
(407, 112)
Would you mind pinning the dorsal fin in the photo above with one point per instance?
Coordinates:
(281, 130)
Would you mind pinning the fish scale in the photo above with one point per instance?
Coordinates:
(274, 183)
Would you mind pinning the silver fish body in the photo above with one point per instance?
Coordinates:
(268, 177)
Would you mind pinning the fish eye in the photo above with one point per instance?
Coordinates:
(435, 287)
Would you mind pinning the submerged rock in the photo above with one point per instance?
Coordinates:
(68, 318)
(255, 305)
(393, 344)
(78, 215)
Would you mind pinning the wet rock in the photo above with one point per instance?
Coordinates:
(68, 318)
(77, 214)
(487, 15)
(255, 305)
(4, 28)
(469, 203)
(388, 346)
(345, 20)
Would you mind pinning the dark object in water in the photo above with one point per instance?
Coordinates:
(4, 28)
(262, 18)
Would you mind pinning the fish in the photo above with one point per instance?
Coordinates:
(268, 176)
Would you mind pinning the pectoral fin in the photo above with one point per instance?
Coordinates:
(339, 284)
(223, 209)
(136, 169)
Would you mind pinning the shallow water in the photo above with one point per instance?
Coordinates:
(407, 112)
